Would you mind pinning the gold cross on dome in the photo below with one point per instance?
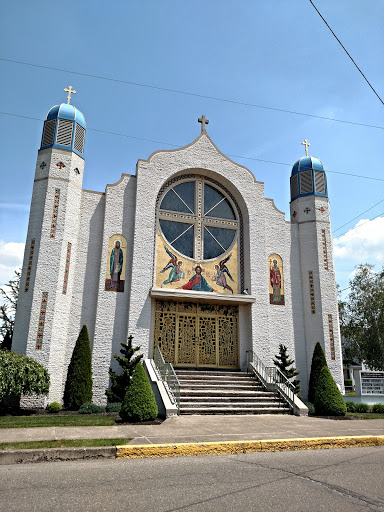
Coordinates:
(203, 122)
(306, 144)
(69, 91)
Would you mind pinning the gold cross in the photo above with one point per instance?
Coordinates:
(69, 91)
(306, 144)
(203, 122)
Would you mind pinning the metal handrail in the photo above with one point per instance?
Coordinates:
(271, 377)
(168, 376)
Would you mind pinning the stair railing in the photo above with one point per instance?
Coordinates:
(271, 377)
(168, 376)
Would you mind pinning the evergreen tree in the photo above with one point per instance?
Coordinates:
(120, 382)
(139, 402)
(283, 362)
(6, 344)
(9, 294)
(78, 387)
(328, 399)
(318, 363)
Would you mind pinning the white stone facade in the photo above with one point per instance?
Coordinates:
(88, 219)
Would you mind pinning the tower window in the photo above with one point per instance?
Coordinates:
(49, 132)
(306, 184)
(294, 186)
(64, 132)
(320, 182)
(78, 142)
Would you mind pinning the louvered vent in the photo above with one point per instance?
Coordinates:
(320, 182)
(78, 143)
(49, 133)
(294, 186)
(306, 185)
(64, 132)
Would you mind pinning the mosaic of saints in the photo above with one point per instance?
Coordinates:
(174, 265)
(198, 282)
(116, 266)
(220, 270)
(275, 277)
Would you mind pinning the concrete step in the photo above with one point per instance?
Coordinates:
(229, 410)
(227, 393)
(228, 400)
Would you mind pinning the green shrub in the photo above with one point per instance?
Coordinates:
(114, 407)
(378, 408)
(311, 407)
(78, 387)
(351, 406)
(348, 382)
(53, 407)
(139, 402)
(362, 407)
(318, 363)
(90, 408)
(328, 399)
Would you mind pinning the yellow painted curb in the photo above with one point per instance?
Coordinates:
(232, 447)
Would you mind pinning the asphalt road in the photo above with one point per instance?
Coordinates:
(316, 480)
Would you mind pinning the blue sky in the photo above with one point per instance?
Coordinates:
(276, 54)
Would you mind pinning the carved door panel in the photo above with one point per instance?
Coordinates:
(186, 340)
(207, 341)
(228, 341)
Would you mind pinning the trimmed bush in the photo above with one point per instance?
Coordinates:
(114, 407)
(328, 399)
(53, 407)
(90, 408)
(351, 406)
(311, 407)
(378, 408)
(318, 363)
(78, 387)
(362, 408)
(139, 402)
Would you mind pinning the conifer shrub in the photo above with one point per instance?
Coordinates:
(318, 363)
(351, 406)
(90, 408)
(378, 408)
(362, 407)
(139, 402)
(114, 407)
(285, 365)
(53, 407)
(328, 399)
(78, 387)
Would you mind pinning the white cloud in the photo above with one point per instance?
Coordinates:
(364, 243)
(11, 258)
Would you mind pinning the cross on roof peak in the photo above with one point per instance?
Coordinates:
(203, 122)
(69, 91)
(306, 144)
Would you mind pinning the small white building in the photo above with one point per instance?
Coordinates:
(186, 253)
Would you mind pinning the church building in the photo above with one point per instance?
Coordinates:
(185, 254)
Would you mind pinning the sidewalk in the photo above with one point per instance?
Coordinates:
(204, 435)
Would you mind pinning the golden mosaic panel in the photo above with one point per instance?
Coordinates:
(186, 346)
(207, 340)
(228, 341)
(165, 334)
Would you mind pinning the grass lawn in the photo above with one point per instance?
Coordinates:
(80, 420)
(64, 443)
(366, 415)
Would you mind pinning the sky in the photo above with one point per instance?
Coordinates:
(262, 58)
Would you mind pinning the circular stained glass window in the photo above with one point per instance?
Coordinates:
(197, 219)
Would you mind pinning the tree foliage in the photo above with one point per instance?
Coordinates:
(78, 387)
(328, 399)
(21, 374)
(9, 294)
(120, 382)
(318, 363)
(283, 362)
(362, 318)
(139, 402)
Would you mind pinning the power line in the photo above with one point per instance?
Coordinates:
(343, 47)
(193, 94)
(366, 222)
(181, 145)
(360, 214)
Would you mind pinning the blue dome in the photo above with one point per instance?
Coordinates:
(64, 128)
(308, 178)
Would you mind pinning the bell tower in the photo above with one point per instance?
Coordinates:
(47, 278)
(310, 213)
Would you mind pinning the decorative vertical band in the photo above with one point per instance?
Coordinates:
(55, 212)
(40, 328)
(325, 254)
(66, 272)
(199, 234)
(331, 337)
(29, 268)
(312, 292)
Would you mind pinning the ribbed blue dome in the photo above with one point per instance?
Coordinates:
(308, 178)
(64, 128)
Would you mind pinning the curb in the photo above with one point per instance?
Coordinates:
(233, 447)
(56, 454)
